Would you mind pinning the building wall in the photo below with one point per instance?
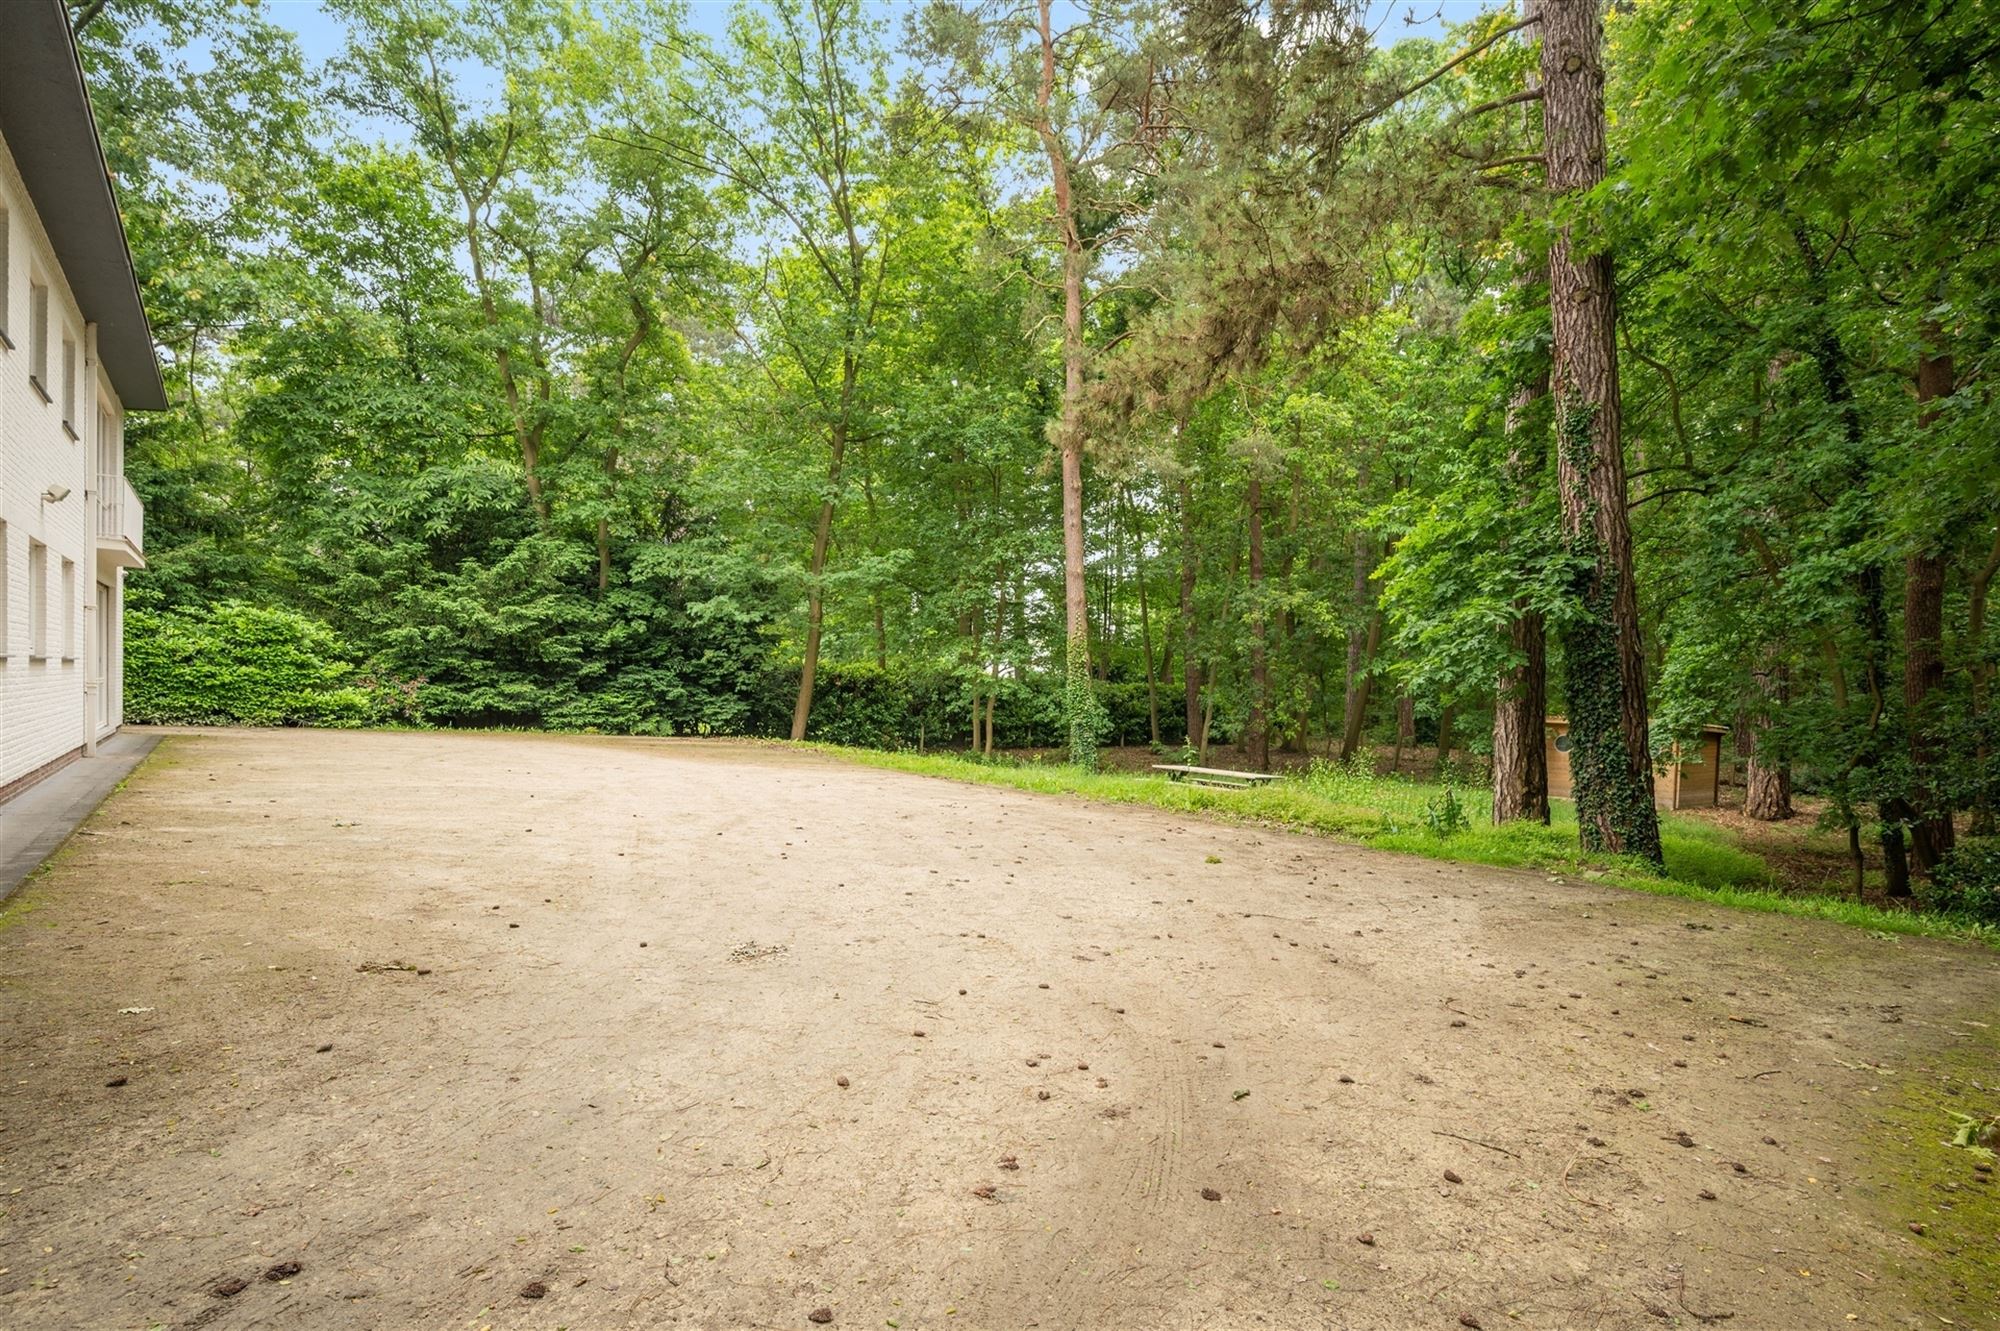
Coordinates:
(43, 698)
(1694, 783)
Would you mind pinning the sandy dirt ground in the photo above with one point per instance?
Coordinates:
(719, 1035)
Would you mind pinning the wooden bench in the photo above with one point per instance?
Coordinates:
(1219, 777)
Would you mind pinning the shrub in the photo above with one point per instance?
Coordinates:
(1967, 883)
(1444, 815)
(236, 664)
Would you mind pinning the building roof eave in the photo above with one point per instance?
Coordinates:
(46, 119)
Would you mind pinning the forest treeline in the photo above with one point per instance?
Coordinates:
(996, 373)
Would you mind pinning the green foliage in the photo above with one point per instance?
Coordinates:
(1444, 816)
(863, 705)
(1614, 801)
(235, 664)
(1967, 884)
(1083, 715)
(444, 577)
(866, 706)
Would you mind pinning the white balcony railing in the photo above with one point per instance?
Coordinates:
(120, 515)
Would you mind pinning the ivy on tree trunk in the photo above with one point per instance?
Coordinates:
(1610, 762)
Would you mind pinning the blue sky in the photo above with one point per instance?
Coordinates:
(320, 34)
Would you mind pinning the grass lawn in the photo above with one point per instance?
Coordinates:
(1704, 862)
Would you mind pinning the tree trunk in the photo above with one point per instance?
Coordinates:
(528, 440)
(1358, 689)
(822, 542)
(1359, 648)
(604, 524)
(1975, 652)
(815, 619)
(1190, 659)
(1520, 740)
(1767, 776)
(1830, 360)
(1207, 714)
(1767, 786)
(1288, 626)
(993, 667)
(1931, 833)
(874, 547)
(971, 630)
(1895, 861)
(1406, 730)
(1146, 645)
(1896, 812)
(1610, 760)
(1520, 694)
(1078, 698)
(1257, 748)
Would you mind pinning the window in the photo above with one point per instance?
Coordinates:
(69, 610)
(108, 468)
(38, 338)
(38, 600)
(6, 280)
(69, 388)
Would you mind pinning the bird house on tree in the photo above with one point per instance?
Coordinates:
(1691, 778)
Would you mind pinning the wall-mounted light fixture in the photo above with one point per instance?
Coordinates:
(55, 494)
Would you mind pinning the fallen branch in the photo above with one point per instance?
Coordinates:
(1475, 1141)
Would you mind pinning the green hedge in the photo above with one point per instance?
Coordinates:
(236, 664)
(1967, 884)
(868, 707)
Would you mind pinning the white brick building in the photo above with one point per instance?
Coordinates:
(75, 355)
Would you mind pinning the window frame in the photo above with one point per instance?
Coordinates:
(6, 277)
(38, 337)
(6, 600)
(69, 389)
(69, 616)
(38, 600)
